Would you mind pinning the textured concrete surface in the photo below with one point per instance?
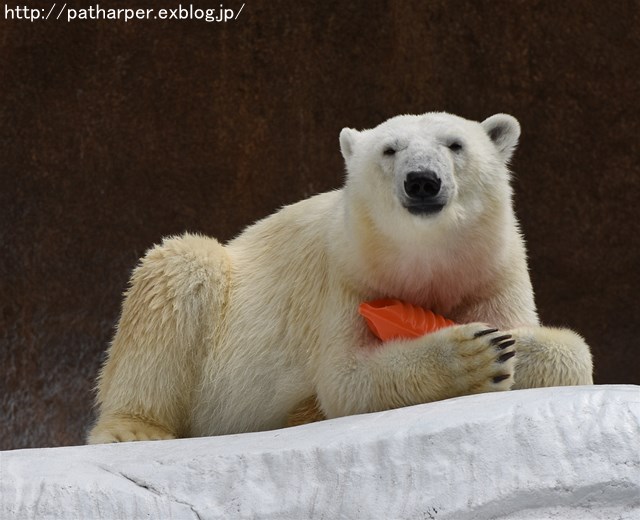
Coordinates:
(113, 135)
(567, 453)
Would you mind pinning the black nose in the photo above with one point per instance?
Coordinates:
(422, 185)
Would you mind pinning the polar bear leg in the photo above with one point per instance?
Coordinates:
(459, 360)
(145, 387)
(544, 357)
(548, 356)
(122, 427)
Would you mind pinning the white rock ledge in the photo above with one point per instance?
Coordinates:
(562, 453)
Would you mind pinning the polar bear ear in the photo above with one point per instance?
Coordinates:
(347, 142)
(504, 131)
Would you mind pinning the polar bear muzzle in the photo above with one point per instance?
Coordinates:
(422, 192)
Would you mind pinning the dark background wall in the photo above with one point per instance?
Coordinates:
(115, 134)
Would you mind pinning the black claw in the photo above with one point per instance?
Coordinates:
(498, 379)
(484, 332)
(499, 339)
(506, 344)
(506, 356)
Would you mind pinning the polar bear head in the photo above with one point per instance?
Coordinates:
(419, 170)
(428, 197)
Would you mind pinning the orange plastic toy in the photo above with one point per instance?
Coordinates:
(395, 319)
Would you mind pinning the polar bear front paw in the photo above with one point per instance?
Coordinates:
(482, 358)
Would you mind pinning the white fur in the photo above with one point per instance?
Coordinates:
(218, 339)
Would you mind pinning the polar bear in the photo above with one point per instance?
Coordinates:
(216, 339)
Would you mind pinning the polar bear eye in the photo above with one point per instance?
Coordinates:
(389, 151)
(455, 146)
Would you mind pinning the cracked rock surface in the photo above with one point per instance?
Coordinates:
(570, 453)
